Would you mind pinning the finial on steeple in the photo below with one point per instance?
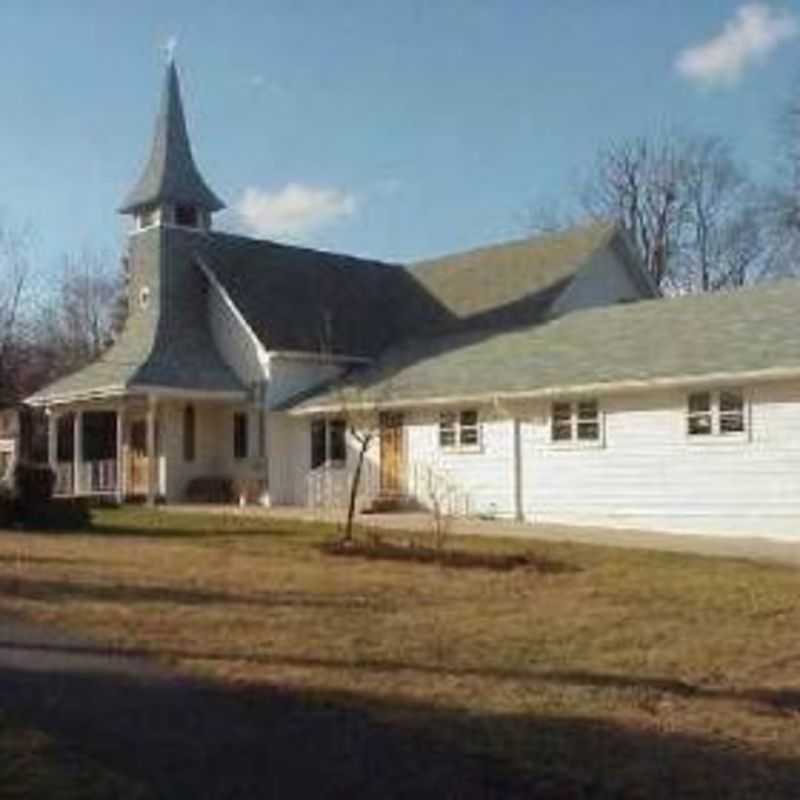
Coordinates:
(171, 181)
(169, 48)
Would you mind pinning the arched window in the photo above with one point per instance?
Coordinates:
(188, 433)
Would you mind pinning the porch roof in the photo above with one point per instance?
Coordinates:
(129, 367)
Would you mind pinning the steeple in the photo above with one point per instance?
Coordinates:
(171, 190)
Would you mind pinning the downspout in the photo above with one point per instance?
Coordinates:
(519, 515)
(516, 460)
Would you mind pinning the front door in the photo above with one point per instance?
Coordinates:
(137, 458)
(392, 455)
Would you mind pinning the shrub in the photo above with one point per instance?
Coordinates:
(210, 489)
(59, 514)
(34, 485)
(7, 506)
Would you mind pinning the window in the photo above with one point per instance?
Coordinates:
(459, 429)
(188, 433)
(147, 217)
(186, 216)
(588, 425)
(240, 435)
(575, 421)
(328, 442)
(717, 413)
(337, 451)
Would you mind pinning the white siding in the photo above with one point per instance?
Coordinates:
(479, 481)
(237, 346)
(646, 473)
(290, 376)
(474, 482)
(650, 475)
(603, 281)
(292, 481)
(213, 447)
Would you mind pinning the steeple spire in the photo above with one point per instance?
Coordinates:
(170, 181)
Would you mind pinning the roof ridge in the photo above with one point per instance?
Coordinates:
(606, 230)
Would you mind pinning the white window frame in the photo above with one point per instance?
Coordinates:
(454, 419)
(575, 421)
(716, 435)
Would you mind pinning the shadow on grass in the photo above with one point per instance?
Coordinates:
(223, 530)
(26, 588)
(183, 739)
(779, 699)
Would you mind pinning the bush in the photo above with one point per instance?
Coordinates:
(7, 507)
(34, 485)
(59, 514)
(210, 489)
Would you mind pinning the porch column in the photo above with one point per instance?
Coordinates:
(52, 439)
(120, 482)
(152, 462)
(77, 453)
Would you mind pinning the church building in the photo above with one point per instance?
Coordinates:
(544, 379)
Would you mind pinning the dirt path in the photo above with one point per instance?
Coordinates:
(185, 739)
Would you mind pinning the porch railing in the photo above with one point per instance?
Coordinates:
(64, 483)
(97, 477)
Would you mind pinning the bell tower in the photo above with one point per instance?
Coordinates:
(171, 191)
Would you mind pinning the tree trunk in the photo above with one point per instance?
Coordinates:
(354, 486)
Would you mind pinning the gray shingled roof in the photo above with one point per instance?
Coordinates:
(296, 298)
(300, 299)
(170, 175)
(514, 282)
(173, 350)
(308, 300)
(734, 332)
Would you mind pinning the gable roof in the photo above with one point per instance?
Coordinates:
(299, 299)
(513, 281)
(170, 174)
(748, 331)
(296, 298)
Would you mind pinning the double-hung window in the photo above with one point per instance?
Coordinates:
(328, 442)
(575, 421)
(459, 430)
(716, 413)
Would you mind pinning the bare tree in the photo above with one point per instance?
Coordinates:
(781, 227)
(690, 209)
(14, 273)
(80, 321)
(363, 425)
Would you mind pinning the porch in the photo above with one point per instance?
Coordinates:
(107, 451)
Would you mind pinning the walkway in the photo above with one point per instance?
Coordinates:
(723, 546)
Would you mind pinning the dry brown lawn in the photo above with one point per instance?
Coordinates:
(637, 674)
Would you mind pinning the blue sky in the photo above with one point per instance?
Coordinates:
(393, 130)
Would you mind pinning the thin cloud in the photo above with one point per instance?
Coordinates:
(294, 210)
(755, 30)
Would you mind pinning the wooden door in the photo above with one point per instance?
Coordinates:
(137, 458)
(392, 454)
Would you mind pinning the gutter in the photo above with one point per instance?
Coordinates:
(119, 391)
